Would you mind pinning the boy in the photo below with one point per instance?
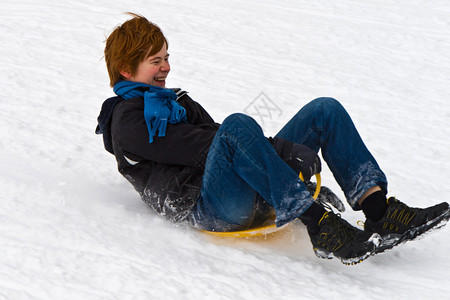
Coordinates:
(229, 176)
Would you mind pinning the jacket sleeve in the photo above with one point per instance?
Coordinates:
(185, 144)
(196, 114)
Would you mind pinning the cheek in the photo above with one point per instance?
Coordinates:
(146, 74)
(152, 72)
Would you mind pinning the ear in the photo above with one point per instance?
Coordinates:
(125, 74)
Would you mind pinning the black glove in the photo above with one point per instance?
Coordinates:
(299, 157)
(326, 196)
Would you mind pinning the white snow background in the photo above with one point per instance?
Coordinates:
(72, 228)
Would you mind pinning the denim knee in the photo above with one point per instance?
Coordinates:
(238, 123)
(237, 118)
(327, 105)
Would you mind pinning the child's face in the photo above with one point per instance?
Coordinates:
(154, 69)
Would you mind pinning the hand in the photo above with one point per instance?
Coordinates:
(326, 196)
(304, 160)
(299, 157)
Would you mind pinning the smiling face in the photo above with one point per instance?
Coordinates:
(153, 70)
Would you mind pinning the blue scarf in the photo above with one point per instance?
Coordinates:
(160, 106)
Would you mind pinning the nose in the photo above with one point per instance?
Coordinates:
(165, 67)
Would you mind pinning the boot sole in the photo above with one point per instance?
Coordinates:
(375, 239)
(390, 241)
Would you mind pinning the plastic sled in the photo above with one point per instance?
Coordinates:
(262, 230)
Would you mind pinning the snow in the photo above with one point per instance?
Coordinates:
(73, 228)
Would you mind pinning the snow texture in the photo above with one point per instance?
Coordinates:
(73, 228)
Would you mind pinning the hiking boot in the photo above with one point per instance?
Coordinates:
(401, 223)
(337, 238)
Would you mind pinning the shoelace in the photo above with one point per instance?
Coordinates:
(402, 217)
(343, 233)
(399, 212)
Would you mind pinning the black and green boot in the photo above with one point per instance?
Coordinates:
(401, 223)
(335, 237)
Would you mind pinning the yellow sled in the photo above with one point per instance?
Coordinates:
(262, 230)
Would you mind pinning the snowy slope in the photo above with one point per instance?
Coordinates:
(72, 228)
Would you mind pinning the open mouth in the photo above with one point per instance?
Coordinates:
(160, 79)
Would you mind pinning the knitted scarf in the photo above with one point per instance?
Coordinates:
(160, 106)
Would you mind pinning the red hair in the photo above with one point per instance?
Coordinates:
(129, 44)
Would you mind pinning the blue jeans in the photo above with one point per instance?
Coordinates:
(242, 165)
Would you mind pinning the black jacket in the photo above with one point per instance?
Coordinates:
(168, 172)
